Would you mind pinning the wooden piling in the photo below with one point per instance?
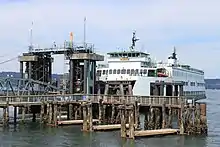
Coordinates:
(151, 120)
(15, 115)
(76, 112)
(100, 111)
(23, 114)
(131, 122)
(146, 121)
(42, 113)
(70, 112)
(85, 124)
(123, 123)
(5, 119)
(163, 116)
(89, 117)
(55, 114)
(113, 114)
(137, 114)
(59, 112)
(50, 113)
(170, 116)
(181, 115)
(203, 119)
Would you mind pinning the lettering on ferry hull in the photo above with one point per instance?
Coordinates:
(124, 59)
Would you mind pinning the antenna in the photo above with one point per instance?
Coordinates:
(174, 53)
(31, 36)
(134, 40)
(84, 30)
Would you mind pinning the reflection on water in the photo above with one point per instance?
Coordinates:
(35, 135)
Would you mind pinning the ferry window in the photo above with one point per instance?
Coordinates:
(151, 73)
(99, 72)
(123, 71)
(192, 83)
(118, 71)
(106, 71)
(136, 71)
(129, 54)
(141, 71)
(103, 72)
(145, 71)
(128, 71)
(110, 71)
(132, 71)
(114, 71)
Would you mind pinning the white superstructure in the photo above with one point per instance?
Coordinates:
(138, 68)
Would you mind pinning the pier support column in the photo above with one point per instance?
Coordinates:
(89, 118)
(50, 113)
(59, 112)
(71, 77)
(94, 76)
(55, 114)
(76, 109)
(170, 117)
(203, 119)
(85, 123)
(122, 89)
(23, 114)
(181, 113)
(70, 117)
(85, 87)
(131, 122)
(15, 115)
(106, 91)
(42, 113)
(151, 120)
(163, 116)
(123, 123)
(22, 72)
(136, 114)
(130, 89)
(5, 117)
(146, 118)
(100, 111)
(113, 114)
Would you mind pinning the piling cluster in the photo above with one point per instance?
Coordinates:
(116, 115)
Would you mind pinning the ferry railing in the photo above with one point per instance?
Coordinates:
(143, 100)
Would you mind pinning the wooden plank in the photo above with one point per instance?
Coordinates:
(108, 127)
(155, 132)
(73, 122)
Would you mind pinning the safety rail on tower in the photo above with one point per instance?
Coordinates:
(68, 46)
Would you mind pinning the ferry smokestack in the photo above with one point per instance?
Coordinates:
(71, 36)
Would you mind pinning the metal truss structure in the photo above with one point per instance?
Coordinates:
(17, 86)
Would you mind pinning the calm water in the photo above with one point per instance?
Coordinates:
(36, 136)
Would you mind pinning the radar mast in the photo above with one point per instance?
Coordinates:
(134, 40)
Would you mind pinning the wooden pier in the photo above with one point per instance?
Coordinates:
(104, 113)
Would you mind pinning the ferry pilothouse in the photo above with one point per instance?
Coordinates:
(133, 72)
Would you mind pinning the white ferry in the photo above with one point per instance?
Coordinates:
(137, 69)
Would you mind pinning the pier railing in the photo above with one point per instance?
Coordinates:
(117, 99)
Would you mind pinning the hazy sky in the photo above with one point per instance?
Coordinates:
(192, 26)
